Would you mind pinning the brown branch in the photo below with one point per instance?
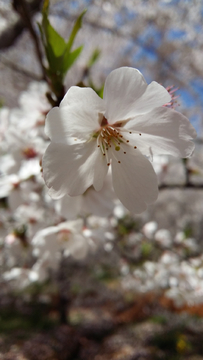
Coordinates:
(18, 69)
(181, 186)
(16, 25)
(21, 7)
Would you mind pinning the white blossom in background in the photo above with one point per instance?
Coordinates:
(16, 251)
(23, 147)
(4, 116)
(163, 237)
(34, 99)
(120, 211)
(131, 123)
(160, 164)
(67, 237)
(20, 278)
(149, 229)
(33, 106)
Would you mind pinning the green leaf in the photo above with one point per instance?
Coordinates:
(45, 8)
(70, 58)
(49, 52)
(58, 52)
(95, 56)
(76, 28)
(100, 91)
(53, 38)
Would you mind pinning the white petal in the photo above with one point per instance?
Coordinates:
(71, 169)
(163, 131)
(69, 206)
(71, 122)
(77, 246)
(99, 203)
(74, 225)
(127, 94)
(134, 179)
(77, 116)
(41, 235)
(154, 96)
(53, 128)
(100, 170)
(82, 97)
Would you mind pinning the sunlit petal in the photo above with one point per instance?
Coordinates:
(134, 179)
(71, 121)
(162, 131)
(71, 169)
(127, 94)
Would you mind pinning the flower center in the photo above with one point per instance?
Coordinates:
(109, 136)
(63, 235)
(29, 153)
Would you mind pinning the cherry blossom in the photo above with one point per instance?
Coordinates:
(124, 129)
(100, 203)
(68, 236)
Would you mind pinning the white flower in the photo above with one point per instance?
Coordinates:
(20, 278)
(89, 133)
(163, 237)
(149, 229)
(67, 237)
(100, 203)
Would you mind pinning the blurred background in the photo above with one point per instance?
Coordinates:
(161, 38)
(138, 292)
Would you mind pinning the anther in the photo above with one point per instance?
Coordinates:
(135, 147)
(119, 161)
(140, 134)
(127, 141)
(108, 164)
(98, 145)
(124, 152)
(130, 132)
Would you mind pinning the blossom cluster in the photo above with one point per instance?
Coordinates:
(177, 272)
(92, 152)
(36, 231)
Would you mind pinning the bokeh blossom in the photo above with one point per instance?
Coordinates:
(124, 129)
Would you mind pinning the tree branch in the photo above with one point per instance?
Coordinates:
(16, 25)
(16, 68)
(21, 7)
(181, 186)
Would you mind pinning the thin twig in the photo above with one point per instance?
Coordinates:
(181, 186)
(18, 69)
(21, 7)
